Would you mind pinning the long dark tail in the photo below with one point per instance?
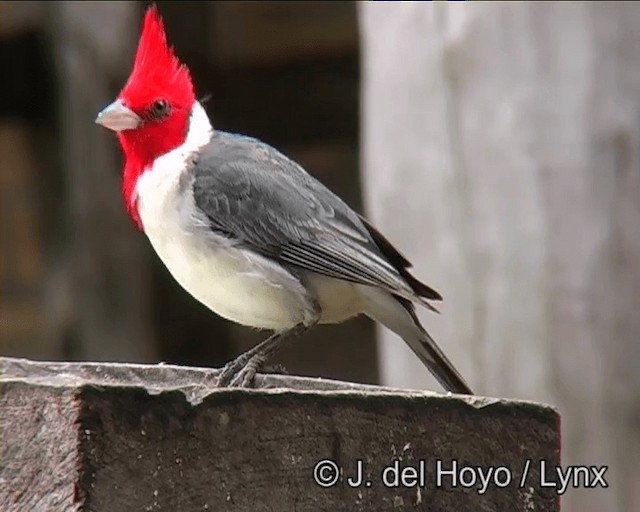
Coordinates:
(399, 315)
(428, 351)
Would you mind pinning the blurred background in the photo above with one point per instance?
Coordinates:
(497, 145)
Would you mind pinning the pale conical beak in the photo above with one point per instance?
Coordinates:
(117, 117)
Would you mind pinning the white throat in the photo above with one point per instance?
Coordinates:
(169, 166)
(198, 134)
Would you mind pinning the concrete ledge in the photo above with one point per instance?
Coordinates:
(115, 437)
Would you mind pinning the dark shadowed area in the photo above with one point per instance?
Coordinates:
(77, 280)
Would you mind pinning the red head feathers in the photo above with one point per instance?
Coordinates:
(156, 70)
(153, 108)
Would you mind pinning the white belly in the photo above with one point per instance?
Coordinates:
(242, 289)
(240, 286)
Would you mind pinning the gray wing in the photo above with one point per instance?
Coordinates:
(257, 196)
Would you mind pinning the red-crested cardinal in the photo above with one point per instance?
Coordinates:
(247, 231)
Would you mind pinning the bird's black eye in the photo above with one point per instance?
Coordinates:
(159, 109)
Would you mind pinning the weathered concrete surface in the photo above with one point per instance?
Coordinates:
(112, 437)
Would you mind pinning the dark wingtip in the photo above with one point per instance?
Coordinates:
(420, 288)
(401, 264)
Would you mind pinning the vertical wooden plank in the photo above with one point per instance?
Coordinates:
(21, 265)
(94, 43)
(28, 325)
(501, 154)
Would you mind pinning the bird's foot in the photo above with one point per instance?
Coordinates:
(245, 377)
(240, 372)
(231, 369)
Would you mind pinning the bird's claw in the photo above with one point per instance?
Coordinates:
(240, 372)
(230, 370)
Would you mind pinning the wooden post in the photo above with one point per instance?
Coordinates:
(110, 437)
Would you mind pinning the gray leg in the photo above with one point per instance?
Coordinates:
(241, 371)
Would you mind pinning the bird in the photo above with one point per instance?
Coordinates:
(247, 231)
